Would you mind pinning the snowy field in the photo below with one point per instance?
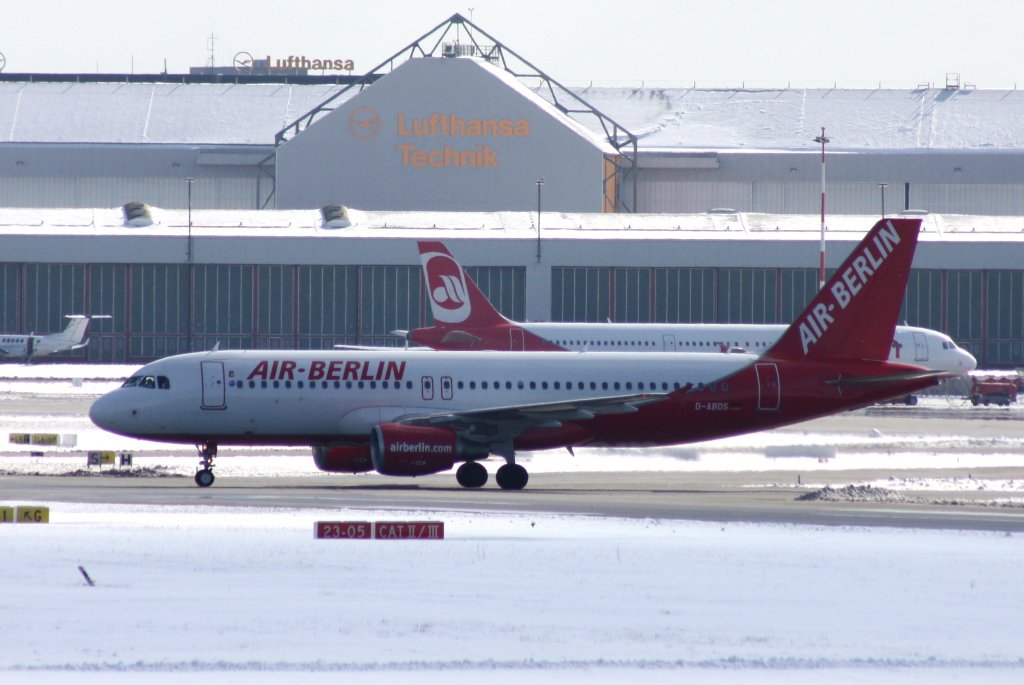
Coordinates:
(207, 594)
(214, 595)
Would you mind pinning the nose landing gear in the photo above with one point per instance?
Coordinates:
(204, 476)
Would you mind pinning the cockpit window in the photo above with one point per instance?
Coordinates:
(151, 382)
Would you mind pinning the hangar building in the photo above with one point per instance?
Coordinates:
(459, 121)
(658, 204)
(287, 279)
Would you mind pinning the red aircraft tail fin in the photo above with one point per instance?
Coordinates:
(854, 316)
(454, 298)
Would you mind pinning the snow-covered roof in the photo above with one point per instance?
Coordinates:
(662, 118)
(155, 113)
(717, 224)
(925, 119)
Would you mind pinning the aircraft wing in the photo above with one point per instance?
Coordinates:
(501, 424)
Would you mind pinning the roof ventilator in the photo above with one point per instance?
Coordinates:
(335, 216)
(137, 214)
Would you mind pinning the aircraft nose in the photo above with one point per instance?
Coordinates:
(968, 361)
(104, 413)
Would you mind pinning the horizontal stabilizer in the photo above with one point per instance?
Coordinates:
(860, 381)
(460, 338)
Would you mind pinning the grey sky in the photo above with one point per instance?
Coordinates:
(899, 43)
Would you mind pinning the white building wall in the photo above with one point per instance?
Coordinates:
(997, 199)
(424, 138)
(663, 195)
(168, 192)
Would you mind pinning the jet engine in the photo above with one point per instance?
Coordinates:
(399, 450)
(348, 459)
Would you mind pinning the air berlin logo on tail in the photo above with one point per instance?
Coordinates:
(449, 296)
(847, 285)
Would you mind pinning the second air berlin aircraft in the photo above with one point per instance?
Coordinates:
(411, 413)
(464, 319)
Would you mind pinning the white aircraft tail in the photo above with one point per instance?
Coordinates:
(73, 336)
(455, 300)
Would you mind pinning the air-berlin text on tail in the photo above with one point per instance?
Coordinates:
(320, 370)
(849, 284)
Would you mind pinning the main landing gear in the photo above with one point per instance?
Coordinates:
(510, 476)
(472, 474)
(204, 476)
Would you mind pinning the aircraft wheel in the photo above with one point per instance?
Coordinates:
(472, 474)
(512, 477)
(204, 478)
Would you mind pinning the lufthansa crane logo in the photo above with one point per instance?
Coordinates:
(243, 62)
(364, 123)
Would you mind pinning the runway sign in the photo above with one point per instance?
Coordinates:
(409, 530)
(344, 530)
(379, 530)
(52, 439)
(6, 514)
(33, 514)
(101, 458)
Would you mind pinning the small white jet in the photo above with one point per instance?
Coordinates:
(33, 345)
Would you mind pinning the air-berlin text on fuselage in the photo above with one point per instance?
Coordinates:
(852, 280)
(320, 370)
(451, 126)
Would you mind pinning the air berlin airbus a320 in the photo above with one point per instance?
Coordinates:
(410, 413)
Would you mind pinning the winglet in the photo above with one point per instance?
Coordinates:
(454, 297)
(855, 314)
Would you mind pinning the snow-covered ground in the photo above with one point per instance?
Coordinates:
(208, 594)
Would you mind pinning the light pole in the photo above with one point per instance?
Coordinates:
(540, 184)
(191, 275)
(188, 249)
(821, 262)
(881, 186)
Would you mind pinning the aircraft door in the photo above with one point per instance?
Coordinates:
(768, 386)
(427, 387)
(213, 385)
(920, 347)
(446, 387)
(517, 341)
(668, 343)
